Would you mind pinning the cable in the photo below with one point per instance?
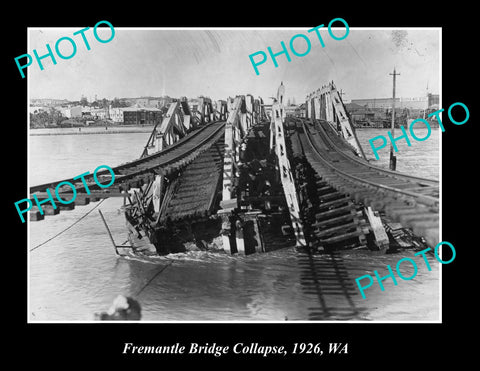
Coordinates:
(58, 234)
(151, 279)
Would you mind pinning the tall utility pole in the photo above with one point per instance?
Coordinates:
(393, 159)
(426, 104)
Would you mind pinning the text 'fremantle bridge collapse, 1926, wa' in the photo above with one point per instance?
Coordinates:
(249, 176)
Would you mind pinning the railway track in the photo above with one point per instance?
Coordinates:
(198, 185)
(135, 173)
(342, 178)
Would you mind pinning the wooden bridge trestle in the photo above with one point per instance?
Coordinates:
(192, 165)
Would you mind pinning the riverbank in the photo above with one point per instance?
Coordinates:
(92, 130)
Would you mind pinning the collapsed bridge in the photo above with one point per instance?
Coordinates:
(241, 176)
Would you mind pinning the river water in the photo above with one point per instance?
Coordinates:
(77, 273)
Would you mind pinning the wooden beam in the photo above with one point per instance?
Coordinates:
(92, 195)
(381, 238)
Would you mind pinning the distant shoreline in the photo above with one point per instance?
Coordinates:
(91, 130)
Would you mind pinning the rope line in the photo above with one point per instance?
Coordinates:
(70, 226)
(151, 279)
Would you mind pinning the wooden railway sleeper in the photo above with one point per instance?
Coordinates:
(331, 196)
(334, 203)
(334, 212)
(335, 230)
(357, 233)
(326, 189)
(335, 220)
(321, 183)
(365, 197)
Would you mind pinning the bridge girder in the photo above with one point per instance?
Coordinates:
(326, 104)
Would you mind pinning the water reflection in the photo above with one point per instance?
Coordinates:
(326, 277)
(277, 286)
(78, 274)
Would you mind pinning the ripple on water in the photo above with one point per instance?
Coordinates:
(77, 273)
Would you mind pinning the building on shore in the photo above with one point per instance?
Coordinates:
(135, 115)
(100, 113)
(149, 102)
(116, 114)
(433, 100)
(301, 110)
(386, 103)
(38, 109)
(377, 112)
(141, 116)
(48, 102)
(409, 103)
(72, 111)
(291, 109)
(361, 116)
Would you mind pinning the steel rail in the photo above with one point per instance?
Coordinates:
(185, 153)
(167, 150)
(364, 163)
(428, 200)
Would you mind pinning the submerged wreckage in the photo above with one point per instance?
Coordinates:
(244, 177)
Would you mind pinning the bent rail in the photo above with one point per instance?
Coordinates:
(411, 201)
(158, 161)
(133, 174)
(362, 162)
(416, 181)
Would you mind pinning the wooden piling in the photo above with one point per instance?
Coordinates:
(226, 230)
(252, 217)
(239, 237)
(109, 233)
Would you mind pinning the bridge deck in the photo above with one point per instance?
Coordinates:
(140, 171)
(133, 174)
(197, 187)
(413, 201)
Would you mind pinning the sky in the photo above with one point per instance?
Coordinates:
(215, 62)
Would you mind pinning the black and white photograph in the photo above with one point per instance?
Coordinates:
(234, 174)
(232, 185)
